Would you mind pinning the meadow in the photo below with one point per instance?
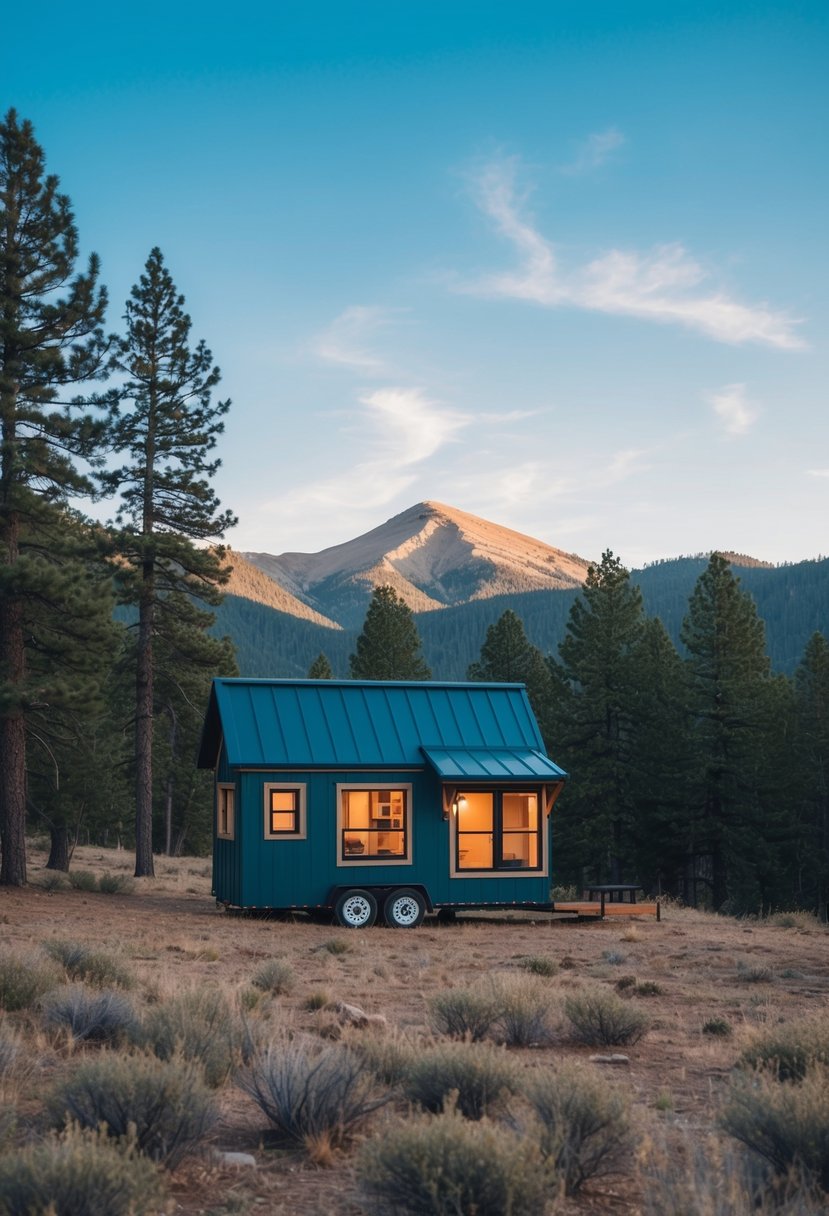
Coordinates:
(469, 1047)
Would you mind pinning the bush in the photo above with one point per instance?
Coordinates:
(274, 976)
(198, 1025)
(164, 1105)
(754, 973)
(97, 1017)
(78, 1173)
(585, 1129)
(23, 982)
(600, 1019)
(538, 964)
(94, 966)
(717, 1028)
(447, 1166)
(389, 1056)
(464, 1013)
(786, 1125)
(115, 884)
(336, 945)
(11, 1054)
(790, 1049)
(478, 1075)
(524, 1011)
(53, 880)
(712, 1180)
(311, 1093)
(83, 880)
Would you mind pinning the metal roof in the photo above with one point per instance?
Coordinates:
(365, 723)
(483, 764)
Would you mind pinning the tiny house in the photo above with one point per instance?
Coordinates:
(376, 799)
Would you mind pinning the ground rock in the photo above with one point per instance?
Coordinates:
(356, 1016)
(615, 1058)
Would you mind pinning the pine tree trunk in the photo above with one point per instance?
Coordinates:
(58, 847)
(12, 734)
(144, 733)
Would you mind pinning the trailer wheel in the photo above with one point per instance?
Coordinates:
(404, 908)
(356, 909)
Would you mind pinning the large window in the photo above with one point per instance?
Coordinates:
(373, 824)
(498, 830)
(284, 811)
(226, 812)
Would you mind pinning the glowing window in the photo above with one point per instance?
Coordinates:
(284, 811)
(498, 830)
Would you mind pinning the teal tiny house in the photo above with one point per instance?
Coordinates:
(378, 798)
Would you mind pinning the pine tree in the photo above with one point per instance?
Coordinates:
(389, 646)
(594, 723)
(51, 342)
(812, 756)
(167, 501)
(728, 690)
(508, 656)
(320, 669)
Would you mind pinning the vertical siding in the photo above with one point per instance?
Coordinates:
(227, 854)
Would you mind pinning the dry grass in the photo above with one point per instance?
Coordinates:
(171, 937)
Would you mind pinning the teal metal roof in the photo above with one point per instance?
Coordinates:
(367, 723)
(482, 764)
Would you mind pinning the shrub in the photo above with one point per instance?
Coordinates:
(53, 880)
(600, 1019)
(786, 1125)
(198, 1025)
(94, 966)
(464, 1013)
(274, 976)
(524, 1011)
(388, 1056)
(538, 964)
(11, 1054)
(478, 1075)
(717, 1028)
(317, 1000)
(164, 1105)
(754, 973)
(115, 884)
(585, 1129)
(790, 1049)
(336, 945)
(23, 982)
(647, 988)
(78, 1173)
(83, 880)
(98, 1017)
(311, 1093)
(614, 957)
(447, 1166)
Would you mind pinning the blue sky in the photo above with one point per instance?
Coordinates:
(562, 265)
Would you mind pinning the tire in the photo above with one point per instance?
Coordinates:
(356, 909)
(404, 908)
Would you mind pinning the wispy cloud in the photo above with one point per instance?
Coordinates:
(593, 152)
(735, 412)
(665, 284)
(818, 472)
(347, 340)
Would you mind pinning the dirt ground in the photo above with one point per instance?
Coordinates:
(170, 933)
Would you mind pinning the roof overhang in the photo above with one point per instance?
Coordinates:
(511, 765)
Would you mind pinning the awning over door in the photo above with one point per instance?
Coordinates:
(492, 764)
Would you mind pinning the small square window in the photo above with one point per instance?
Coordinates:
(226, 812)
(284, 811)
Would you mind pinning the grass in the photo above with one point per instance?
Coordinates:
(23, 981)
(598, 1018)
(92, 966)
(786, 1125)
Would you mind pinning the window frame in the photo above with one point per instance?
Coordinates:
(223, 788)
(501, 871)
(297, 787)
(359, 859)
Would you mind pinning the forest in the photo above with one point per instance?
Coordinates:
(697, 747)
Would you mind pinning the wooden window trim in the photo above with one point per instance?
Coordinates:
(223, 788)
(346, 863)
(299, 789)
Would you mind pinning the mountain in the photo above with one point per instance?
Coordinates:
(250, 583)
(434, 557)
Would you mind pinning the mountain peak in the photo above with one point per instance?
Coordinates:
(434, 555)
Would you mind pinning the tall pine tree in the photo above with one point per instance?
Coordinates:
(51, 344)
(728, 696)
(812, 755)
(168, 430)
(593, 731)
(508, 656)
(389, 646)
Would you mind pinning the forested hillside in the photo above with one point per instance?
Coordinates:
(793, 601)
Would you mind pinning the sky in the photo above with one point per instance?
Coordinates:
(562, 265)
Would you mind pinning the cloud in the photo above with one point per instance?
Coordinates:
(736, 413)
(595, 150)
(346, 340)
(665, 284)
(818, 472)
(397, 430)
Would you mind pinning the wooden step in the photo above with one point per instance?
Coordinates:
(593, 907)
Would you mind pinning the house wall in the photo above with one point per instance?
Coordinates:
(252, 871)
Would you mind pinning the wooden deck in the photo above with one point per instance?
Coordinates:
(593, 907)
